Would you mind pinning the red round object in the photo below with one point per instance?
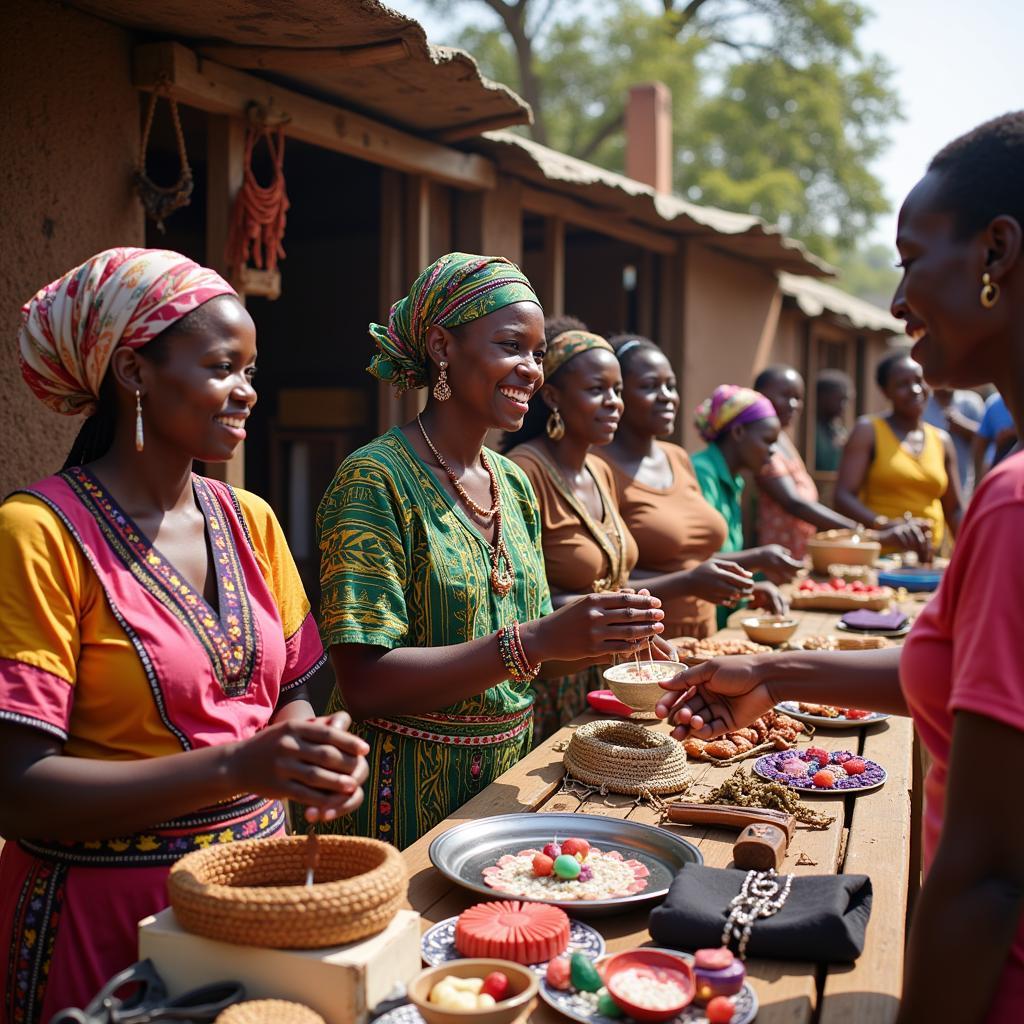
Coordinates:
(557, 974)
(543, 865)
(664, 966)
(824, 779)
(713, 959)
(496, 985)
(819, 754)
(855, 766)
(719, 1010)
(578, 848)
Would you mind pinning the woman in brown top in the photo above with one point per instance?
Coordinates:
(587, 546)
(676, 530)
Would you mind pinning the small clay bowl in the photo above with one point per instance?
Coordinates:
(636, 692)
(660, 966)
(522, 987)
(769, 629)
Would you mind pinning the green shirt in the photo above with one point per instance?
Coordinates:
(723, 492)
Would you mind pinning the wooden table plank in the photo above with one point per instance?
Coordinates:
(879, 846)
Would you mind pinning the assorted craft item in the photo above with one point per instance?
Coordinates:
(827, 716)
(837, 595)
(817, 771)
(772, 731)
(693, 651)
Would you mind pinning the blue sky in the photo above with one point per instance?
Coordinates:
(957, 63)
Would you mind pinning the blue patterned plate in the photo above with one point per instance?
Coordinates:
(581, 1006)
(438, 943)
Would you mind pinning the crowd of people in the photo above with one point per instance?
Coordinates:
(155, 639)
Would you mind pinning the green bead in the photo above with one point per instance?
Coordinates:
(583, 974)
(606, 1006)
(567, 867)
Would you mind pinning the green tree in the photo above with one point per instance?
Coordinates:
(776, 109)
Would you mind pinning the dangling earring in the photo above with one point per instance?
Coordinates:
(555, 426)
(442, 392)
(989, 291)
(140, 441)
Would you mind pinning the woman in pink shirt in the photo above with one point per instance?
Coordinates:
(960, 674)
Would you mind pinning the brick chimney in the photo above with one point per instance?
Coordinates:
(649, 135)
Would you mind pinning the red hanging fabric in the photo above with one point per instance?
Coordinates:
(258, 214)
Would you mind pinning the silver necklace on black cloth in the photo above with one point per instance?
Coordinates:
(762, 894)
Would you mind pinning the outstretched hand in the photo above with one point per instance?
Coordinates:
(722, 695)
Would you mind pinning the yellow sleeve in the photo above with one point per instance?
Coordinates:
(40, 614)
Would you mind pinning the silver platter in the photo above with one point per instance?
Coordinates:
(461, 853)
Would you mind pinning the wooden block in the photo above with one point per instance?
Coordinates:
(342, 983)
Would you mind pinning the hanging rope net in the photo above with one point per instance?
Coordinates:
(258, 215)
(160, 201)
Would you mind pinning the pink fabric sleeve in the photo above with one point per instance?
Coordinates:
(304, 655)
(987, 616)
(34, 697)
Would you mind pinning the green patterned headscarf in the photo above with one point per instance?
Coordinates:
(568, 345)
(454, 290)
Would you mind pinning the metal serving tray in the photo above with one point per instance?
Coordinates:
(461, 853)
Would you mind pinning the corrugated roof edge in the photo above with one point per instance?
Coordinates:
(815, 298)
(560, 167)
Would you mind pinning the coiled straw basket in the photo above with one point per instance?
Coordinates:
(619, 757)
(252, 893)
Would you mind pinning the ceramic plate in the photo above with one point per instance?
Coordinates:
(580, 1006)
(462, 853)
(438, 943)
(767, 767)
(404, 1014)
(892, 634)
(792, 708)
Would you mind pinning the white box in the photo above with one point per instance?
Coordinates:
(342, 983)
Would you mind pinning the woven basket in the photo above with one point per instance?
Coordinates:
(269, 1011)
(252, 893)
(619, 757)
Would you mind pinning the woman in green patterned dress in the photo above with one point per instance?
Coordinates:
(435, 603)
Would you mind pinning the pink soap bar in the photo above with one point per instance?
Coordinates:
(607, 703)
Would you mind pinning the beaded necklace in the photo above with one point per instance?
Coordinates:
(762, 895)
(501, 578)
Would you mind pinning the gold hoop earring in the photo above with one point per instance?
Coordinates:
(442, 391)
(140, 441)
(989, 291)
(555, 426)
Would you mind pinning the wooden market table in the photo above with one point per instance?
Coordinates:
(872, 834)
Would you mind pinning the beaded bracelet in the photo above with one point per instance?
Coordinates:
(513, 655)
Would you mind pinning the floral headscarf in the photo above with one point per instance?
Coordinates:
(125, 296)
(568, 345)
(455, 289)
(729, 406)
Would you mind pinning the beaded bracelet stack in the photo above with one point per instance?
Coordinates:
(513, 655)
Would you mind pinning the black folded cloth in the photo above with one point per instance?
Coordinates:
(823, 920)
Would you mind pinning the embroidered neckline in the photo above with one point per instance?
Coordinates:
(229, 637)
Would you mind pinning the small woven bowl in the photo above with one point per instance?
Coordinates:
(638, 693)
(522, 985)
(769, 629)
(269, 1011)
(252, 893)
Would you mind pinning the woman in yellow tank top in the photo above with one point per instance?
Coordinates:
(898, 464)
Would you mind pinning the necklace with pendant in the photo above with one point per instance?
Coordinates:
(502, 577)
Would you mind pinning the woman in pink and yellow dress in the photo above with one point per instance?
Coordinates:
(154, 635)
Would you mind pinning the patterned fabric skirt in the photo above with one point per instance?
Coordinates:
(69, 912)
(422, 770)
(558, 701)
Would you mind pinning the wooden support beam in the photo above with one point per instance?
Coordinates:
(605, 222)
(551, 286)
(471, 129)
(225, 166)
(210, 86)
(310, 60)
(393, 283)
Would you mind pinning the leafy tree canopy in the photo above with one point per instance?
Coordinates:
(776, 109)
